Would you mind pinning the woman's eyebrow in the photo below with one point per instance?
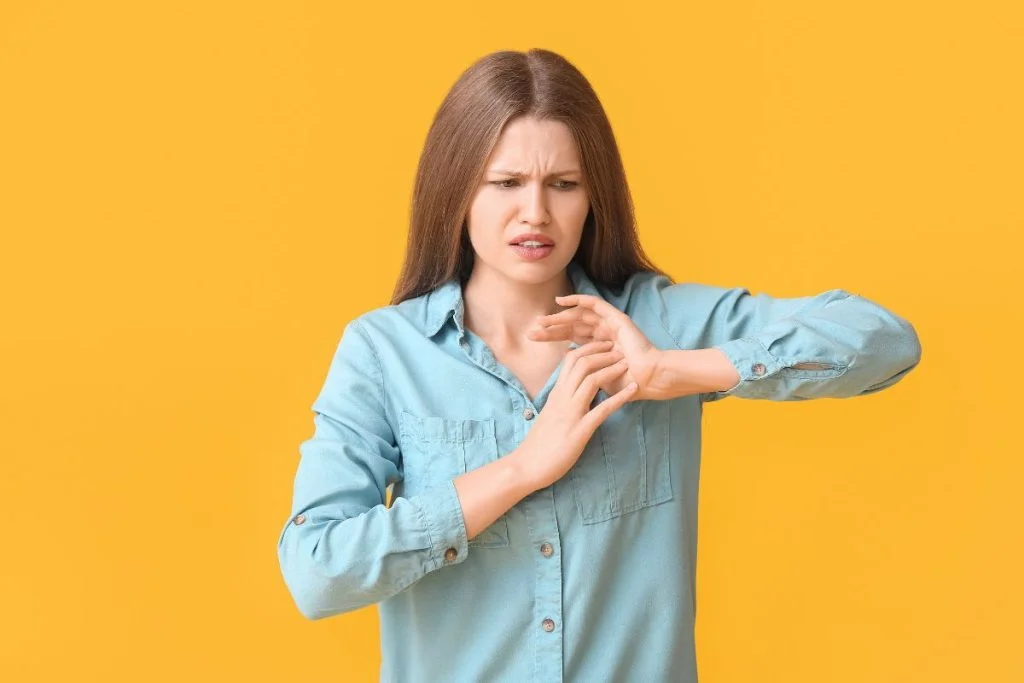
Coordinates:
(519, 174)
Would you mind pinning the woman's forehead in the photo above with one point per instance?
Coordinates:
(527, 144)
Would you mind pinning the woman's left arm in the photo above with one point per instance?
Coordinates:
(831, 345)
(719, 342)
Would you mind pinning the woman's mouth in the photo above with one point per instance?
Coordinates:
(531, 250)
(533, 247)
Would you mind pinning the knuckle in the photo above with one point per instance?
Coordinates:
(612, 367)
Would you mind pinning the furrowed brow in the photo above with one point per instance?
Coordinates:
(519, 174)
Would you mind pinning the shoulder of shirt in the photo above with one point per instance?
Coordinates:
(638, 289)
(393, 318)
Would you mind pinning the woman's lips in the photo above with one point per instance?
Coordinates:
(533, 253)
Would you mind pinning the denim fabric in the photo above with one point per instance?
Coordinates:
(590, 579)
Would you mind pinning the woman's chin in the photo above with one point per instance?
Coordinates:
(536, 272)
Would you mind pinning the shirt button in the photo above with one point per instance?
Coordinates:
(548, 625)
(528, 414)
(546, 550)
(758, 369)
(299, 519)
(450, 554)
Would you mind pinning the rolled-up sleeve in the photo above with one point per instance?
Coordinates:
(342, 547)
(831, 345)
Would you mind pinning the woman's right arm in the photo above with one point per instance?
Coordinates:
(342, 549)
(555, 441)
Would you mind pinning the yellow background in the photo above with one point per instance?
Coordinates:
(195, 197)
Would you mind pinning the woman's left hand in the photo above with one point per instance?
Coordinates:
(591, 318)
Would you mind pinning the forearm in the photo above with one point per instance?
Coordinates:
(488, 492)
(333, 563)
(682, 373)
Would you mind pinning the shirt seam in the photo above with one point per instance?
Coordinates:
(679, 347)
(376, 359)
(661, 319)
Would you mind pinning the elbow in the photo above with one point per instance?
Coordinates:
(911, 346)
(310, 601)
(900, 340)
(308, 606)
(312, 608)
(906, 358)
(313, 591)
(305, 589)
(313, 595)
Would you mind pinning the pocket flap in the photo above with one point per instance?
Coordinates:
(445, 429)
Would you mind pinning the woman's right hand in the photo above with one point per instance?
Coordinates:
(567, 422)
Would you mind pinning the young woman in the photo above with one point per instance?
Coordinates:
(534, 395)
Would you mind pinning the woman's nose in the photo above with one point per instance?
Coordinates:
(534, 209)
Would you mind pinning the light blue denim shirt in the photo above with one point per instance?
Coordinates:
(591, 579)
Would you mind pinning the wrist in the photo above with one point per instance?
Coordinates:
(685, 372)
(521, 474)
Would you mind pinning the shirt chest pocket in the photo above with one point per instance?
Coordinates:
(626, 464)
(435, 449)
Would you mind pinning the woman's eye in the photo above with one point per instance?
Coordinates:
(561, 185)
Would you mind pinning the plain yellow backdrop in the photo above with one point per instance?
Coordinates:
(195, 197)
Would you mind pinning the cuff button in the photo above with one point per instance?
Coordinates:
(299, 519)
(758, 369)
(450, 554)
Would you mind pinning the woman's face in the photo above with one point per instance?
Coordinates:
(532, 185)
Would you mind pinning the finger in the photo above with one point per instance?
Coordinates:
(579, 333)
(572, 377)
(573, 314)
(576, 354)
(593, 419)
(589, 376)
(596, 304)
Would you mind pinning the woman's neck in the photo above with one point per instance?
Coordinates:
(501, 310)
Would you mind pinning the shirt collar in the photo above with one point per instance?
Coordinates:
(445, 301)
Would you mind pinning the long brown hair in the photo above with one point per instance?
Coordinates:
(494, 90)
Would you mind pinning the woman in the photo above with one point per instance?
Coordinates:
(534, 394)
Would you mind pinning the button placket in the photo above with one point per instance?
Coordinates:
(547, 604)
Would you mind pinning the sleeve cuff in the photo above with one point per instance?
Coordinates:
(445, 524)
(752, 361)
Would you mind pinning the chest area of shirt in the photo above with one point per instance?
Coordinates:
(462, 409)
(532, 368)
